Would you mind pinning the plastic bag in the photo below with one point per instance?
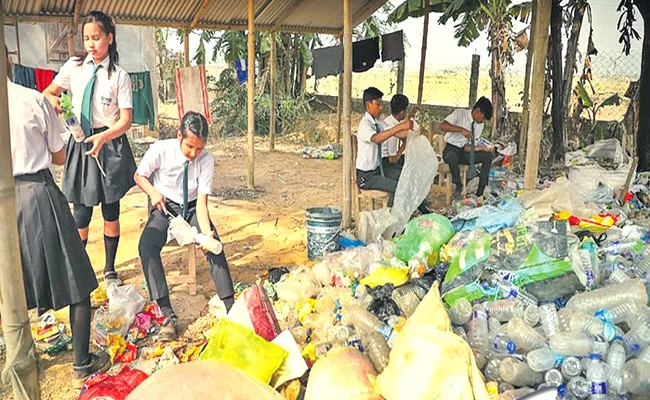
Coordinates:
(383, 306)
(561, 196)
(299, 284)
(415, 370)
(373, 224)
(181, 230)
(414, 185)
(124, 303)
(423, 237)
(343, 374)
(243, 349)
(253, 310)
(205, 380)
(384, 275)
(118, 387)
(344, 267)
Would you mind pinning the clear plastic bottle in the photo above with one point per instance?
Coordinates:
(620, 313)
(569, 344)
(571, 367)
(518, 373)
(549, 320)
(378, 351)
(495, 326)
(597, 378)
(531, 315)
(615, 380)
(637, 339)
(634, 246)
(610, 296)
(553, 377)
(544, 359)
(638, 318)
(618, 276)
(460, 312)
(524, 335)
(363, 320)
(511, 291)
(338, 334)
(492, 370)
(406, 302)
(637, 377)
(514, 394)
(579, 387)
(642, 261)
(411, 287)
(362, 293)
(616, 355)
(564, 319)
(502, 344)
(591, 326)
(644, 355)
(460, 331)
(477, 330)
(505, 310)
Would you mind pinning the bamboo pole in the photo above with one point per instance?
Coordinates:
(423, 58)
(273, 88)
(186, 43)
(526, 106)
(347, 113)
(17, 41)
(251, 96)
(542, 23)
(401, 70)
(21, 355)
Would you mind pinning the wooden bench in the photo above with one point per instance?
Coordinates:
(374, 196)
(437, 139)
(190, 278)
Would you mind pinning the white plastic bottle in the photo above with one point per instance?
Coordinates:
(549, 320)
(590, 326)
(492, 370)
(637, 339)
(571, 367)
(502, 344)
(531, 315)
(477, 329)
(637, 377)
(610, 296)
(564, 319)
(597, 379)
(518, 373)
(460, 312)
(569, 344)
(524, 335)
(553, 377)
(618, 276)
(620, 313)
(616, 355)
(544, 359)
(505, 310)
(615, 380)
(579, 387)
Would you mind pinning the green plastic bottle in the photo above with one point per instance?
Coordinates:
(71, 120)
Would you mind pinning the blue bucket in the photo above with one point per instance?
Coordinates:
(323, 230)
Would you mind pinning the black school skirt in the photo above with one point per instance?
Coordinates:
(56, 268)
(83, 181)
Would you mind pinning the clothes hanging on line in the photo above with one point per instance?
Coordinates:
(43, 78)
(24, 76)
(192, 91)
(242, 71)
(327, 61)
(392, 46)
(364, 54)
(143, 106)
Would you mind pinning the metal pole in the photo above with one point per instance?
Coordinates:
(21, 363)
(423, 58)
(537, 93)
(251, 96)
(273, 87)
(347, 113)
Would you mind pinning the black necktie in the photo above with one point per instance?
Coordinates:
(185, 179)
(381, 164)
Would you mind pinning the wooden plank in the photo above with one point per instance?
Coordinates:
(347, 113)
(423, 57)
(251, 96)
(199, 12)
(535, 128)
(272, 118)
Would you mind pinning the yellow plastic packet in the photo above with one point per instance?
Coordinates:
(383, 275)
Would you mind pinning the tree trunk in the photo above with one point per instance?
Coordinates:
(295, 65)
(526, 101)
(643, 133)
(571, 52)
(498, 86)
(559, 139)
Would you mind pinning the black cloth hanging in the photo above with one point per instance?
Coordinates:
(392, 46)
(364, 54)
(327, 61)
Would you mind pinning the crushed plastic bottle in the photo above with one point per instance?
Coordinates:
(597, 379)
(634, 246)
(477, 330)
(518, 373)
(505, 310)
(531, 315)
(511, 291)
(524, 335)
(616, 355)
(637, 377)
(378, 351)
(460, 312)
(543, 359)
(549, 320)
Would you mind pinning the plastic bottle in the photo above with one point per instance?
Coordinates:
(510, 291)
(544, 359)
(505, 310)
(412, 287)
(460, 331)
(645, 354)
(362, 293)
(495, 326)
(620, 313)
(492, 370)
(637, 339)
(514, 394)
(378, 351)
(71, 120)
(600, 347)
(406, 302)
(338, 334)
(591, 326)
(531, 315)
(637, 377)
(610, 296)
(505, 386)
(597, 379)
(363, 320)
(518, 373)
(524, 335)
(549, 320)
(571, 367)
(564, 319)
(579, 387)
(502, 344)
(616, 355)
(553, 377)
(569, 344)
(618, 276)
(477, 330)
(460, 312)
(642, 261)
(615, 248)
(615, 380)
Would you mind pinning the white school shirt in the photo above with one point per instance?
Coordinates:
(391, 145)
(462, 117)
(35, 130)
(109, 96)
(163, 165)
(367, 151)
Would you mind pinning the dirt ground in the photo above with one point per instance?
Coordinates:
(260, 228)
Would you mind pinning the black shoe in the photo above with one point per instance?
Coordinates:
(458, 193)
(423, 209)
(169, 329)
(98, 362)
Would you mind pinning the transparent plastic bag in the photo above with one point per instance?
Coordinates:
(124, 302)
(373, 224)
(298, 285)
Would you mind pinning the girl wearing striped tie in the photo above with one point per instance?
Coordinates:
(100, 169)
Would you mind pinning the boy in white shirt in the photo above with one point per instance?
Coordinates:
(371, 135)
(463, 129)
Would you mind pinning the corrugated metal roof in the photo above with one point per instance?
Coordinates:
(280, 15)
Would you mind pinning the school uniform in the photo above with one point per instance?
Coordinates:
(83, 182)
(455, 154)
(371, 174)
(56, 269)
(170, 172)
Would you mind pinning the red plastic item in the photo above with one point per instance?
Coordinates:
(261, 313)
(128, 355)
(115, 387)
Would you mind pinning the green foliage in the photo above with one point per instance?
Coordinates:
(229, 108)
(591, 106)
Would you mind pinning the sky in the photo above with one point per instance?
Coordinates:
(444, 53)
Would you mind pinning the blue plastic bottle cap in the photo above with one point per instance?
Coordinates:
(594, 356)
